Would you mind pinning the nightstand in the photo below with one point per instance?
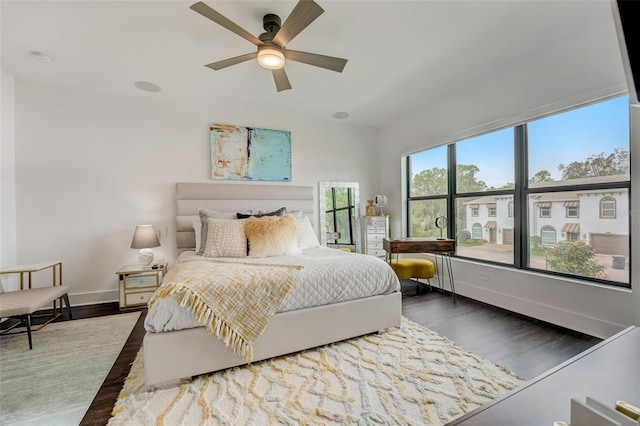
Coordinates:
(137, 283)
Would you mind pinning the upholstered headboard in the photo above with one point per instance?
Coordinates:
(235, 197)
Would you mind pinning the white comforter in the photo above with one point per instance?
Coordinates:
(329, 276)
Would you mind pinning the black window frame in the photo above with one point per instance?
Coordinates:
(520, 193)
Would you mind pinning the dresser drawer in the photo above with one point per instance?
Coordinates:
(375, 245)
(377, 252)
(376, 230)
(379, 221)
(133, 299)
(374, 238)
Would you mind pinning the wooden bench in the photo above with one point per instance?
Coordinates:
(22, 303)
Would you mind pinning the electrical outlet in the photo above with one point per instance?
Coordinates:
(482, 276)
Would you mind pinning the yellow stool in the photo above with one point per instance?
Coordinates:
(408, 267)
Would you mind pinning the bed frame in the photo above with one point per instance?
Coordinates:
(177, 354)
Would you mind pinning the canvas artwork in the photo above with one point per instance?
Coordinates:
(243, 153)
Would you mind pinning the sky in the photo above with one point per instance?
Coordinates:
(558, 139)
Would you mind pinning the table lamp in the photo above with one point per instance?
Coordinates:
(144, 238)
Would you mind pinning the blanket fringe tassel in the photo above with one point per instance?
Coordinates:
(213, 323)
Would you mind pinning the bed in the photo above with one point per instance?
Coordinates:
(174, 349)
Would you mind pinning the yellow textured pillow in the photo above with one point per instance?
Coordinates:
(271, 235)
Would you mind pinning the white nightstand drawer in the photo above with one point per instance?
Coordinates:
(133, 299)
(377, 252)
(141, 280)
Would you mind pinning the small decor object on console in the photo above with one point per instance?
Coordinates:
(145, 238)
(371, 209)
(441, 223)
(380, 201)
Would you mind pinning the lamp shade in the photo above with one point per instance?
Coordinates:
(145, 237)
(270, 57)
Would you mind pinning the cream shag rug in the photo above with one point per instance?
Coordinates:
(404, 376)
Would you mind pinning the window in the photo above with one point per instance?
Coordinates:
(558, 184)
(477, 231)
(548, 235)
(573, 211)
(545, 211)
(608, 208)
(423, 214)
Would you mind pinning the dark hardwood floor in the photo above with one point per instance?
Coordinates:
(526, 346)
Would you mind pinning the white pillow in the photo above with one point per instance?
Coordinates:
(296, 213)
(225, 238)
(197, 228)
(306, 237)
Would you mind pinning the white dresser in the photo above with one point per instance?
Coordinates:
(376, 229)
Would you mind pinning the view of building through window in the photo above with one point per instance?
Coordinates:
(575, 220)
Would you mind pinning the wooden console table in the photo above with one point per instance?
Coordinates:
(607, 372)
(442, 248)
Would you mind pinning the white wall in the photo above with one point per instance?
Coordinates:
(91, 165)
(584, 67)
(8, 254)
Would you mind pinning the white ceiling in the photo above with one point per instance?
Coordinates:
(402, 54)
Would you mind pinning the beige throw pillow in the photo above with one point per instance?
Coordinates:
(225, 238)
(271, 235)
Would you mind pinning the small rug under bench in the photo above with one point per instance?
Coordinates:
(406, 375)
(56, 381)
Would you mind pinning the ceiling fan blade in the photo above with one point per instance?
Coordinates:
(304, 13)
(281, 79)
(232, 61)
(216, 17)
(329, 62)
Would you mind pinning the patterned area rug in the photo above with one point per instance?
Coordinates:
(56, 381)
(407, 375)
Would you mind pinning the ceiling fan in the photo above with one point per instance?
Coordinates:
(271, 53)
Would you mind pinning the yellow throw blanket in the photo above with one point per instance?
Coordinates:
(234, 301)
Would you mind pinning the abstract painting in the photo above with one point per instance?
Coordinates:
(243, 153)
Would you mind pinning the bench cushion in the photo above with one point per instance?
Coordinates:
(27, 301)
(408, 267)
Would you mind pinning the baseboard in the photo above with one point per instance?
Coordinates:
(551, 314)
(93, 298)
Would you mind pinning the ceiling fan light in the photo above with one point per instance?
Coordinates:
(270, 57)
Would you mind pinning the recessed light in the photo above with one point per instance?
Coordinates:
(39, 56)
(341, 115)
(147, 86)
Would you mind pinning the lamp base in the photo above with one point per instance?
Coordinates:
(145, 257)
